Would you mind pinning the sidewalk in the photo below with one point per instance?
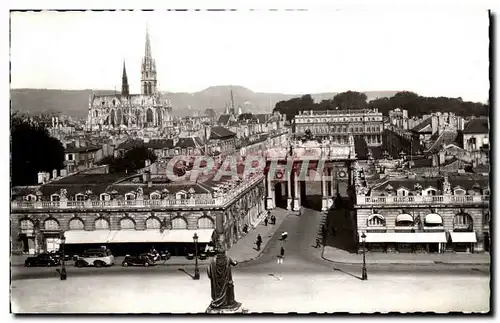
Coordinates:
(340, 256)
(245, 249)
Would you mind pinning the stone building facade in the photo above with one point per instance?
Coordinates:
(416, 214)
(338, 125)
(99, 210)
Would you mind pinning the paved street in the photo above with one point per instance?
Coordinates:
(259, 292)
(302, 283)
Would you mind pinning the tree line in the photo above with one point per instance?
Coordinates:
(415, 104)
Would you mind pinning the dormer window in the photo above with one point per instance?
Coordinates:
(30, 197)
(129, 196)
(55, 198)
(105, 197)
(155, 196)
(403, 191)
(181, 195)
(79, 197)
(459, 191)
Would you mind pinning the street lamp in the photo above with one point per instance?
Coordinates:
(364, 275)
(63, 263)
(196, 269)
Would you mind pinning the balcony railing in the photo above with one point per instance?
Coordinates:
(220, 201)
(422, 199)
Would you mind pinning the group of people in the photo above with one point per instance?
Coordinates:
(270, 218)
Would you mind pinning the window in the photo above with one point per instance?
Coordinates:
(152, 223)
(376, 220)
(105, 197)
(76, 224)
(70, 157)
(459, 191)
(31, 198)
(80, 197)
(129, 196)
(55, 198)
(205, 223)
(462, 221)
(101, 224)
(51, 224)
(127, 224)
(179, 223)
(26, 226)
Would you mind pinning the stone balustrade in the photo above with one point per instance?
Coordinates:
(421, 199)
(220, 201)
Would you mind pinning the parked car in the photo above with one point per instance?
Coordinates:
(43, 259)
(58, 255)
(95, 257)
(140, 260)
(202, 256)
(190, 256)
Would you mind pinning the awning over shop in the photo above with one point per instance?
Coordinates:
(461, 237)
(82, 236)
(136, 236)
(404, 218)
(182, 235)
(433, 218)
(404, 237)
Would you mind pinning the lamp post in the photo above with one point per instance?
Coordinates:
(63, 262)
(364, 275)
(196, 269)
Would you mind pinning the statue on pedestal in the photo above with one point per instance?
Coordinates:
(221, 281)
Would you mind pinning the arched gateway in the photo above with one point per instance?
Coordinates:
(303, 166)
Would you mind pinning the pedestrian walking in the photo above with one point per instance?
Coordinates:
(318, 242)
(265, 221)
(258, 242)
(273, 219)
(284, 235)
(281, 255)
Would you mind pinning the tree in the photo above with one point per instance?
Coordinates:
(131, 161)
(32, 151)
(292, 107)
(350, 100)
(210, 113)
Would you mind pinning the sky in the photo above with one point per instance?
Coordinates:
(430, 52)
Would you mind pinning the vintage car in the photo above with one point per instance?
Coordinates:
(43, 259)
(95, 257)
(140, 260)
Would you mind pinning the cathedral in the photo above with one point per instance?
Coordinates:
(147, 110)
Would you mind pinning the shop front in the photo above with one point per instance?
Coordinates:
(405, 241)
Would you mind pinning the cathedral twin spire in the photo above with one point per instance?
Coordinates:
(148, 72)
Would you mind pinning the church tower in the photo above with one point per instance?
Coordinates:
(148, 70)
(125, 89)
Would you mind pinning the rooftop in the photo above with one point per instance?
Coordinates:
(477, 126)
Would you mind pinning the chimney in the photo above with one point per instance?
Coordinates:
(441, 158)
(146, 177)
(434, 124)
(54, 173)
(41, 177)
(63, 172)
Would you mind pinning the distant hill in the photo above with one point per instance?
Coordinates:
(75, 102)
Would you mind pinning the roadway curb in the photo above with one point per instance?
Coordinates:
(422, 262)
